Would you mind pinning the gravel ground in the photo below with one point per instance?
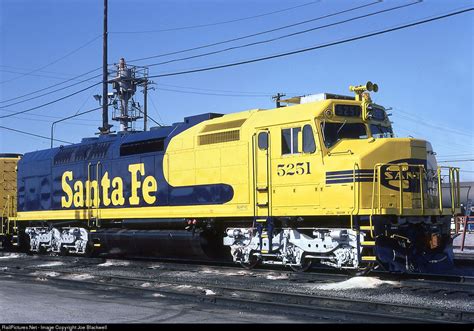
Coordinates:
(45, 303)
(371, 289)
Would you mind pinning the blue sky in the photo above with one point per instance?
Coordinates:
(424, 73)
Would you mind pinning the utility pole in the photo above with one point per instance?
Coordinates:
(105, 129)
(277, 98)
(145, 104)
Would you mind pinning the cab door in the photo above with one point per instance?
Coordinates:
(297, 170)
(261, 166)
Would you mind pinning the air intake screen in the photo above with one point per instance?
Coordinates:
(224, 125)
(143, 146)
(219, 137)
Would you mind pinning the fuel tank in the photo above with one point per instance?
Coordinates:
(198, 245)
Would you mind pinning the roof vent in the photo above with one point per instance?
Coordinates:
(316, 97)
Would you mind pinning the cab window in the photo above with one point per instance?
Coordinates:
(263, 140)
(379, 131)
(289, 140)
(309, 145)
(333, 132)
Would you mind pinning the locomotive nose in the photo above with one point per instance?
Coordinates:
(402, 150)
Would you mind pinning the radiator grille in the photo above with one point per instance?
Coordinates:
(219, 137)
(224, 125)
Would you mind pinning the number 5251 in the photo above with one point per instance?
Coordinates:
(290, 169)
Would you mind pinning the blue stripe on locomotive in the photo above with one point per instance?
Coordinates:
(39, 178)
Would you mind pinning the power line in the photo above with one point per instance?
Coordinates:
(33, 134)
(43, 116)
(448, 161)
(444, 128)
(23, 70)
(433, 141)
(156, 109)
(283, 36)
(54, 85)
(270, 57)
(67, 118)
(34, 75)
(254, 34)
(214, 94)
(217, 23)
(149, 117)
(49, 121)
(427, 123)
(224, 91)
(314, 47)
(55, 61)
(51, 102)
(457, 155)
(50, 92)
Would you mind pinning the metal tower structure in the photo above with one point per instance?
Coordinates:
(125, 82)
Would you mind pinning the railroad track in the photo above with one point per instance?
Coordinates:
(449, 282)
(161, 280)
(183, 265)
(304, 305)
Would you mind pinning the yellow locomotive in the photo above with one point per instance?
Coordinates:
(321, 179)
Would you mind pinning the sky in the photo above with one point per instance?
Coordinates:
(424, 73)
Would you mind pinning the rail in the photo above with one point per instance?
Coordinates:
(417, 172)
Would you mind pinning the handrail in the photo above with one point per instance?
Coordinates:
(89, 194)
(451, 189)
(8, 216)
(454, 188)
(422, 194)
(97, 195)
(440, 191)
(348, 152)
(376, 170)
(6, 213)
(400, 176)
(356, 199)
(15, 225)
(376, 186)
(4, 216)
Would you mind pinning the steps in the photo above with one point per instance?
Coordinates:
(366, 227)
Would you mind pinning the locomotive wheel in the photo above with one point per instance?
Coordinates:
(63, 251)
(254, 261)
(90, 251)
(305, 266)
(362, 271)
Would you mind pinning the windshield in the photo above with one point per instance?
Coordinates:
(333, 132)
(379, 131)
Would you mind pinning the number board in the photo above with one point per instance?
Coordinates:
(291, 169)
